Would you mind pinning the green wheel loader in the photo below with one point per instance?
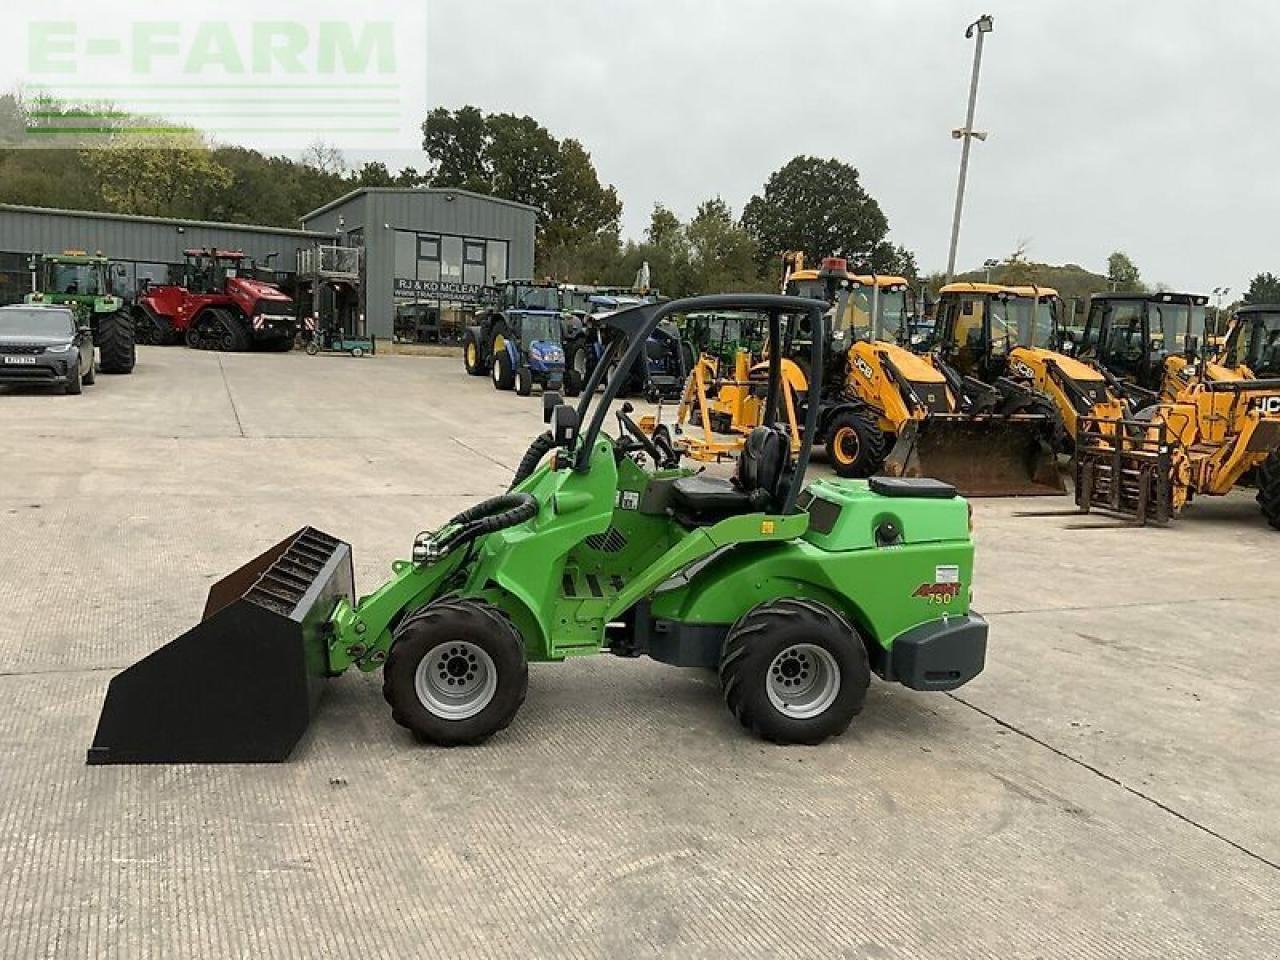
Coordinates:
(795, 594)
(84, 283)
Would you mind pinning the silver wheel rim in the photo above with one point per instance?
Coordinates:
(580, 364)
(494, 370)
(455, 681)
(803, 681)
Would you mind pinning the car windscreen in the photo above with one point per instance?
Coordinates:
(36, 323)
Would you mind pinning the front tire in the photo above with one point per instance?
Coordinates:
(524, 382)
(1269, 489)
(794, 671)
(856, 444)
(504, 374)
(471, 358)
(456, 673)
(116, 343)
(74, 386)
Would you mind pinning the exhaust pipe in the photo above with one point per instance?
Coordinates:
(243, 684)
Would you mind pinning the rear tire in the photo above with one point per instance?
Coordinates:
(456, 673)
(504, 375)
(524, 382)
(312, 348)
(90, 376)
(1269, 488)
(855, 444)
(116, 343)
(572, 382)
(794, 671)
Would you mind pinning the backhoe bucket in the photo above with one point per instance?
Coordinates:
(243, 684)
(1011, 456)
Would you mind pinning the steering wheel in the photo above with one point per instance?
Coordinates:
(636, 439)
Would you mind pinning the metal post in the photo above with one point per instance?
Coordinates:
(967, 138)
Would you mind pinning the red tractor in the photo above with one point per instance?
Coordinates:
(219, 306)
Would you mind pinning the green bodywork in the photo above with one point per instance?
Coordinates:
(597, 548)
(52, 276)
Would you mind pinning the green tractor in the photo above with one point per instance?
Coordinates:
(794, 594)
(84, 282)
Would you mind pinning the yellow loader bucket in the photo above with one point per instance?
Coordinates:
(1010, 456)
(243, 684)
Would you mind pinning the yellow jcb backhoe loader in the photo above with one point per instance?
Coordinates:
(890, 410)
(998, 345)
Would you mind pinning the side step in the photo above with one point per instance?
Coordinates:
(243, 684)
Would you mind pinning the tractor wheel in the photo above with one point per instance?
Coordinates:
(116, 348)
(856, 444)
(357, 352)
(524, 382)
(471, 358)
(542, 444)
(572, 382)
(1268, 477)
(90, 376)
(312, 348)
(456, 673)
(794, 671)
(504, 374)
(577, 364)
(74, 386)
(193, 339)
(1042, 405)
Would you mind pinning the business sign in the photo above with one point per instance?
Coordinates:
(445, 290)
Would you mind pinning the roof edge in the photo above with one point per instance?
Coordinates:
(171, 221)
(456, 191)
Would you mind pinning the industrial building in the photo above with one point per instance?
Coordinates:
(376, 261)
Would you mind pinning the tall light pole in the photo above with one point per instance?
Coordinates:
(990, 264)
(982, 26)
(1219, 293)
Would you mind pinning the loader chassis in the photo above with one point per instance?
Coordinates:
(794, 596)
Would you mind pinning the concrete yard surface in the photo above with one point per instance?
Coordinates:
(1107, 788)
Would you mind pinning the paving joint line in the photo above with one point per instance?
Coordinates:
(1119, 606)
(481, 453)
(232, 400)
(1116, 781)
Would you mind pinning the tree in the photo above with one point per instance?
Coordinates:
(325, 157)
(820, 207)
(1123, 274)
(582, 216)
(167, 174)
(455, 145)
(1264, 288)
(723, 255)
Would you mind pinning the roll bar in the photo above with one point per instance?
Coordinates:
(637, 323)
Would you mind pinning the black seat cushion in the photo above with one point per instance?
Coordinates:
(709, 495)
(924, 487)
(763, 463)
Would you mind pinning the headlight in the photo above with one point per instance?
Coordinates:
(63, 348)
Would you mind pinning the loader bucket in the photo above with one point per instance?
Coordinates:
(243, 684)
(1009, 456)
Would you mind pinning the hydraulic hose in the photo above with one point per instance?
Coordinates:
(496, 513)
(542, 444)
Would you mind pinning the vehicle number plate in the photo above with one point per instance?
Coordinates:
(15, 360)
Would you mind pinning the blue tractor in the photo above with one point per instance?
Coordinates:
(518, 342)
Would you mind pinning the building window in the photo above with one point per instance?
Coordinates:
(428, 248)
(496, 262)
(473, 253)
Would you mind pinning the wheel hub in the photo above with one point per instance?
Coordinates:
(456, 680)
(803, 680)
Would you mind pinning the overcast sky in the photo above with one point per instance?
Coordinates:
(1144, 126)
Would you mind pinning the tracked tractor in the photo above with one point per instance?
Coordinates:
(998, 347)
(794, 594)
(888, 409)
(220, 305)
(84, 283)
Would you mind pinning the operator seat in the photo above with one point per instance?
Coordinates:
(763, 471)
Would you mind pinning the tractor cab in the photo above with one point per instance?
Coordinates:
(877, 306)
(980, 324)
(1142, 338)
(207, 269)
(72, 275)
(1253, 340)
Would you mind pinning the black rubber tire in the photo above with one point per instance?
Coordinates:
(91, 376)
(445, 621)
(524, 382)
(74, 387)
(313, 348)
(765, 631)
(472, 361)
(117, 351)
(572, 382)
(241, 336)
(504, 374)
(542, 444)
(1268, 480)
(856, 446)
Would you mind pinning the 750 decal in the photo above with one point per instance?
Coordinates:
(937, 592)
